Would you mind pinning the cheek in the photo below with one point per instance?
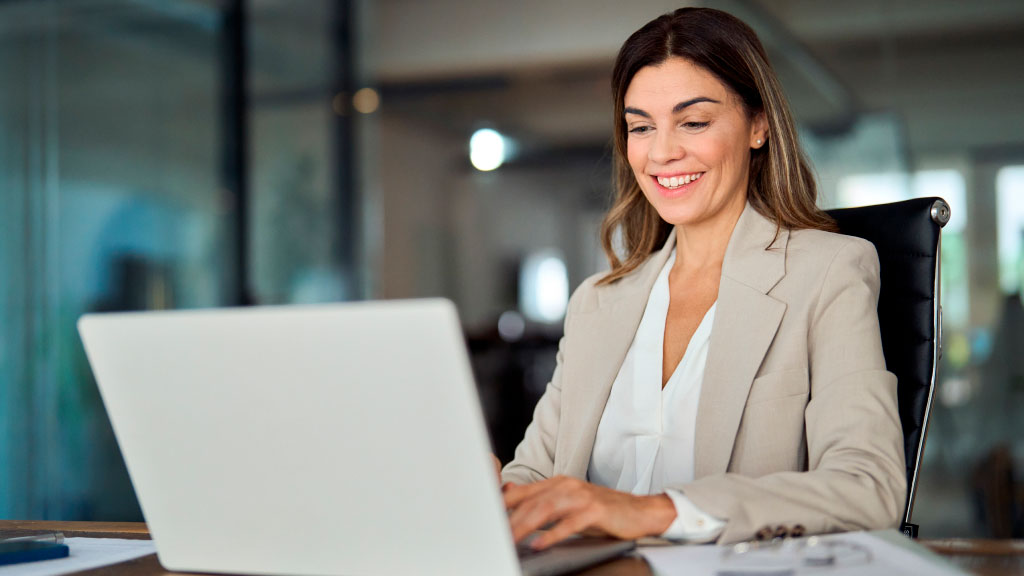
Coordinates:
(636, 154)
(727, 148)
(712, 150)
(720, 154)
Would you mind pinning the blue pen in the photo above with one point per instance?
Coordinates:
(32, 548)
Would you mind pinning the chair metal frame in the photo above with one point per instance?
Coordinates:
(940, 214)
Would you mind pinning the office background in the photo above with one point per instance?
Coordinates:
(194, 153)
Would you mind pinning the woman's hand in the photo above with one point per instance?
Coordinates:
(571, 506)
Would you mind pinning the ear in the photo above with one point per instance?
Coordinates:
(759, 131)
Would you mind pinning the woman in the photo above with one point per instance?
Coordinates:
(725, 379)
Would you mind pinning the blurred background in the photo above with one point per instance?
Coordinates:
(195, 153)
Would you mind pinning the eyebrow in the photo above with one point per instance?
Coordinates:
(675, 109)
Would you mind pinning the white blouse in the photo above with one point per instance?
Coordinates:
(645, 439)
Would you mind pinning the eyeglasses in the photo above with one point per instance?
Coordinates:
(782, 557)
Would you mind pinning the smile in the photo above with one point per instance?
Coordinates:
(678, 181)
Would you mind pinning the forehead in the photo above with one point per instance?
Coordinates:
(671, 81)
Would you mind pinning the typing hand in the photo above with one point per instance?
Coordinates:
(571, 506)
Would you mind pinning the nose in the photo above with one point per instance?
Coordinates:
(666, 147)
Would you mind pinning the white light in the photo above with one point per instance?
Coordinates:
(1010, 227)
(870, 189)
(486, 149)
(544, 287)
(955, 391)
(552, 288)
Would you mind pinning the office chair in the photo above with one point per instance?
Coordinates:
(906, 236)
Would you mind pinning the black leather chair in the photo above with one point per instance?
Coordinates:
(906, 235)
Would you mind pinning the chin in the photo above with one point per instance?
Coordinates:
(696, 210)
(679, 215)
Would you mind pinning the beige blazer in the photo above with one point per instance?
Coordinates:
(797, 421)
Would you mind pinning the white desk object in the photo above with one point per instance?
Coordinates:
(890, 553)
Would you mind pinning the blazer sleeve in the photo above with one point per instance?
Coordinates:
(856, 477)
(535, 456)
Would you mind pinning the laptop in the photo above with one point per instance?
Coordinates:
(311, 440)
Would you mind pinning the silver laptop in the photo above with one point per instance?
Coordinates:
(315, 440)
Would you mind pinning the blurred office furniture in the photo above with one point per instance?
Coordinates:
(999, 498)
(907, 237)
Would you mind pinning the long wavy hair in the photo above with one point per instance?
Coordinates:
(781, 186)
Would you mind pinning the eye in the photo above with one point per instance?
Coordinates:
(640, 130)
(695, 125)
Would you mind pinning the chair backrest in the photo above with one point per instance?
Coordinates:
(906, 235)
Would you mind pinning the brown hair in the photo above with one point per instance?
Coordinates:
(781, 186)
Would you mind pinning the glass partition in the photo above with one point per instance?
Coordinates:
(110, 182)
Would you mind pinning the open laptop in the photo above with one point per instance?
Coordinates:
(314, 440)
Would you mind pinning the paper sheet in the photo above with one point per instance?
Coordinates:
(887, 558)
(85, 553)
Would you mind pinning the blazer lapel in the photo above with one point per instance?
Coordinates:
(608, 329)
(745, 324)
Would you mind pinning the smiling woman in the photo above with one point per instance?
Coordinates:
(724, 56)
(725, 379)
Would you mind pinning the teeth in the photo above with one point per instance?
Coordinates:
(677, 181)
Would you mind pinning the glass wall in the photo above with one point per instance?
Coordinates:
(299, 174)
(110, 181)
(151, 153)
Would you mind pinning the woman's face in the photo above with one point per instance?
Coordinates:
(688, 142)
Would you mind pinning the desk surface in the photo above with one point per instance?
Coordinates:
(982, 557)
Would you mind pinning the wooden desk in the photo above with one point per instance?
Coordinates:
(982, 557)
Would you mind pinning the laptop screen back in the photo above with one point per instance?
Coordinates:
(335, 439)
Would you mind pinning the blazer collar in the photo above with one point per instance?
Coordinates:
(744, 326)
(755, 256)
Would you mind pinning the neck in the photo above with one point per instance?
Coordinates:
(702, 245)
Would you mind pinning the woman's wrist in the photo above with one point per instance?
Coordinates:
(659, 512)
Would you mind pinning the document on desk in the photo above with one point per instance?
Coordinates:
(885, 554)
(85, 554)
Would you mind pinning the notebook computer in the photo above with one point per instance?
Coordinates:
(313, 440)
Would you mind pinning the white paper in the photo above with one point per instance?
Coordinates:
(84, 554)
(887, 558)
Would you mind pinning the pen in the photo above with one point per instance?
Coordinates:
(49, 538)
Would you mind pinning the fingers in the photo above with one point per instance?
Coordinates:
(569, 506)
(572, 524)
(545, 502)
(536, 513)
(515, 494)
